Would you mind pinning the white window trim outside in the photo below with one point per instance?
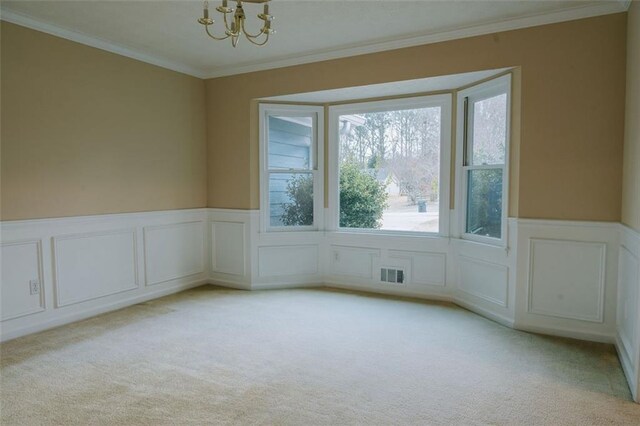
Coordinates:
(475, 93)
(444, 102)
(317, 169)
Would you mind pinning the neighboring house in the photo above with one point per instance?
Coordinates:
(289, 148)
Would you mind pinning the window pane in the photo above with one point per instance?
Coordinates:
(484, 202)
(489, 130)
(291, 199)
(290, 142)
(390, 169)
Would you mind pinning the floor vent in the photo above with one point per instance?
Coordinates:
(392, 275)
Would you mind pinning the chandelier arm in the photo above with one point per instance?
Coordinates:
(206, 28)
(259, 44)
(226, 25)
(250, 36)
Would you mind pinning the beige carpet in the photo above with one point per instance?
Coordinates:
(306, 357)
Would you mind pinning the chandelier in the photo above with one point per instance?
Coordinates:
(236, 28)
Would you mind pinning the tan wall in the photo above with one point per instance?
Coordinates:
(572, 102)
(89, 132)
(631, 174)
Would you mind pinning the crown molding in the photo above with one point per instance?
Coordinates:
(603, 8)
(626, 4)
(78, 37)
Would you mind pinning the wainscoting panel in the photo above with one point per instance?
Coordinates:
(353, 262)
(566, 279)
(89, 266)
(21, 269)
(427, 269)
(628, 319)
(282, 261)
(486, 280)
(228, 247)
(173, 251)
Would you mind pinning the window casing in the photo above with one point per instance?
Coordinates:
(291, 165)
(483, 130)
(435, 102)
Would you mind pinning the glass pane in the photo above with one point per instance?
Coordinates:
(489, 130)
(291, 199)
(484, 202)
(290, 142)
(390, 169)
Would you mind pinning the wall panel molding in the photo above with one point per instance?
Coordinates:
(92, 265)
(87, 265)
(486, 280)
(19, 267)
(574, 270)
(173, 251)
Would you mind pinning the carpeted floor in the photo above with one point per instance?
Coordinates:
(306, 357)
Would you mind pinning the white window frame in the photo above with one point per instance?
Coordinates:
(488, 89)
(444, 102)
(317, 161)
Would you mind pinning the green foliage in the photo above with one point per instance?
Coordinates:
(362, 198)
(299, 211)
(484, 215)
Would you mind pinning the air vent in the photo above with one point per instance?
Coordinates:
(392, 275)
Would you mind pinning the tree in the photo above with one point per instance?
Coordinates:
(362, 199)
(299, 211)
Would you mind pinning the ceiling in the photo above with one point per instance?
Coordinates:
(165, 33)
(396, 88)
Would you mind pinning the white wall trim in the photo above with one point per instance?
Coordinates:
(604, 8)
(42, 301)
(599, 317)
(59, 303)
(93, 41)
(78, 315)
(145, 235)
(574, 13)
(503, 303)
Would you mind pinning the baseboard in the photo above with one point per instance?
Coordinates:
(88, 313)
(229, 284)
(571, 334)
(400, 292)
(508, 322)
(286, 285)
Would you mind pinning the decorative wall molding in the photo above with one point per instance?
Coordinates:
(17, 299)
(573, 279)
(35, 24)
(234, 253)
(588, 11)
(628, 308)
(86, 269)
(573, 13)
(176, 256)
(93, 264)
(499, 293)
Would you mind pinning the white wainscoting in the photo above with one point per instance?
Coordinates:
(628, 319)
(92, 265)
(575, 279)
(354, 260)
(174, 251)
(485, 277)
(87, 265)
(231, 235)
(567, 278)
(25, 260)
